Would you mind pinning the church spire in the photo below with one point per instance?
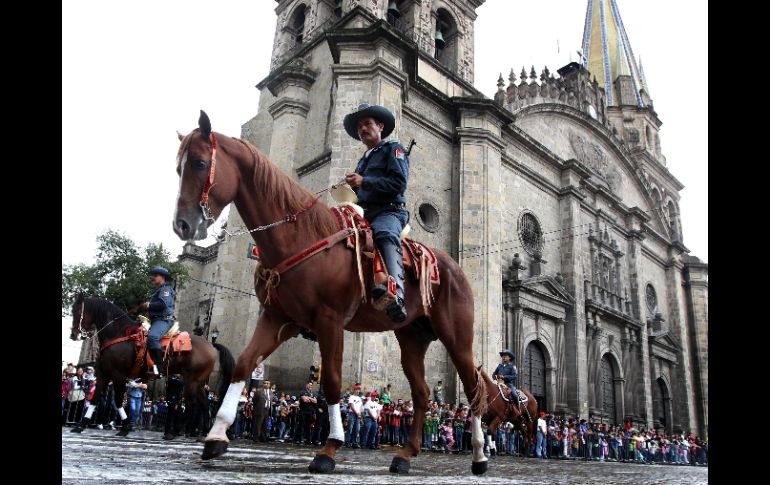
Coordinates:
(606, 50)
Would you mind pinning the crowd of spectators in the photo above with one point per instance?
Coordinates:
(373, 419)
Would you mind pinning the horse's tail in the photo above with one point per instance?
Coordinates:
(479, 405)
(226, 367)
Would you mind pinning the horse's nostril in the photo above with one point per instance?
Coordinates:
(183, 226)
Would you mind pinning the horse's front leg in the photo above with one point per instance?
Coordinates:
(268, 335)
(479, 465)
(330, 342)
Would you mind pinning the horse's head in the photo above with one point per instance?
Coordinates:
(208, 181)
(81, 321)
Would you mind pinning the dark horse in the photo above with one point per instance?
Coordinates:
(323, 293)
(115, 362)
(498, 411)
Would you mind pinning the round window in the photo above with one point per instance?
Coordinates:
(428, 216)
(530, 233)
(652, 299)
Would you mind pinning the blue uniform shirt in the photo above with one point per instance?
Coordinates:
(385, 173)
(508, 372)
(162, 303)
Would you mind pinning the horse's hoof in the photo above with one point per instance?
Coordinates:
(479, 467)
(399, 465)
(213, 449)
(123, 432)
(76, 430)
(321, 464)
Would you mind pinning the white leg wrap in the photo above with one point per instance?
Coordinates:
(122, 414)
(226, 414)
(492, 443)
(477, 440)
(335, 423)
(90, 411)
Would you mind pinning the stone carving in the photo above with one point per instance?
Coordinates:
(372, 5)
(593, 157)
(278, 41)
(311, 20)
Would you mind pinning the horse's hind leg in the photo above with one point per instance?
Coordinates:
(268, 335)
(413, 347)
(119, 386)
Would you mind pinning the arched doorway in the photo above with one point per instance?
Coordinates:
(533, 373)
(607, 390)
(660, 405)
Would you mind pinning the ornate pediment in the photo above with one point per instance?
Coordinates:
(593, 156)
(548, 286)
(665, 347)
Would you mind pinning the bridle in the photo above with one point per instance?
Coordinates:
(86, 334)
(82, 333)
(204, 202)
(208, 214)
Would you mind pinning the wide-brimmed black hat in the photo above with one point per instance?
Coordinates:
(507, 352)
(379, 113)
(161, 271)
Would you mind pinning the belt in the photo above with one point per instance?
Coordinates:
(373, 207)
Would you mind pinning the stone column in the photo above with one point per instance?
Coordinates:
(370, 67)
(697, 288)
(290, 85)
(480, 219)
(684, 394)
(571, 250)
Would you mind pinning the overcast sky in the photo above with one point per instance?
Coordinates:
(135, 72)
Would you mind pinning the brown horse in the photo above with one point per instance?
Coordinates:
(322, 294)
(498, 411)
(115, 363)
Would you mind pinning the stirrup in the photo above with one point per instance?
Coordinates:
(397, 310)
(382, 296)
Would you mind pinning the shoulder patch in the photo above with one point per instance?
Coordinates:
(164, 293)
(399, 153)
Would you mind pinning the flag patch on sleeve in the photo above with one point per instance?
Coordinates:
(164, 293)
(399, 153)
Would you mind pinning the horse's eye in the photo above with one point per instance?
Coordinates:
(200, 164)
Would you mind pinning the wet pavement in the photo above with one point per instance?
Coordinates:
(143, 457)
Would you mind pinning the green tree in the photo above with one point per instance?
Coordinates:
(119, 273)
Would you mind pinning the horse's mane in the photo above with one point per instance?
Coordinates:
(289, 195)
(278, 188)
(104, 310)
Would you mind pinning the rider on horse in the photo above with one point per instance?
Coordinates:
(507, 371)
(380, 181)
(161, 310)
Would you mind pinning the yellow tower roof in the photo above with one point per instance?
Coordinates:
(607, 53)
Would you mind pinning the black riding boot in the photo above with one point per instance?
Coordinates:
(157, 357)
(394, 261)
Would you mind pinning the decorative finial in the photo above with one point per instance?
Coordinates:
(511, 77)
(500, 82)
(532, 73)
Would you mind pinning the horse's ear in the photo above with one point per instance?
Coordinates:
(181, 136)
(204, 124)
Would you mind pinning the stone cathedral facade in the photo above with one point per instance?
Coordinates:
(554, 197)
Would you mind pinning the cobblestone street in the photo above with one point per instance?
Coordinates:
(143, 457)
